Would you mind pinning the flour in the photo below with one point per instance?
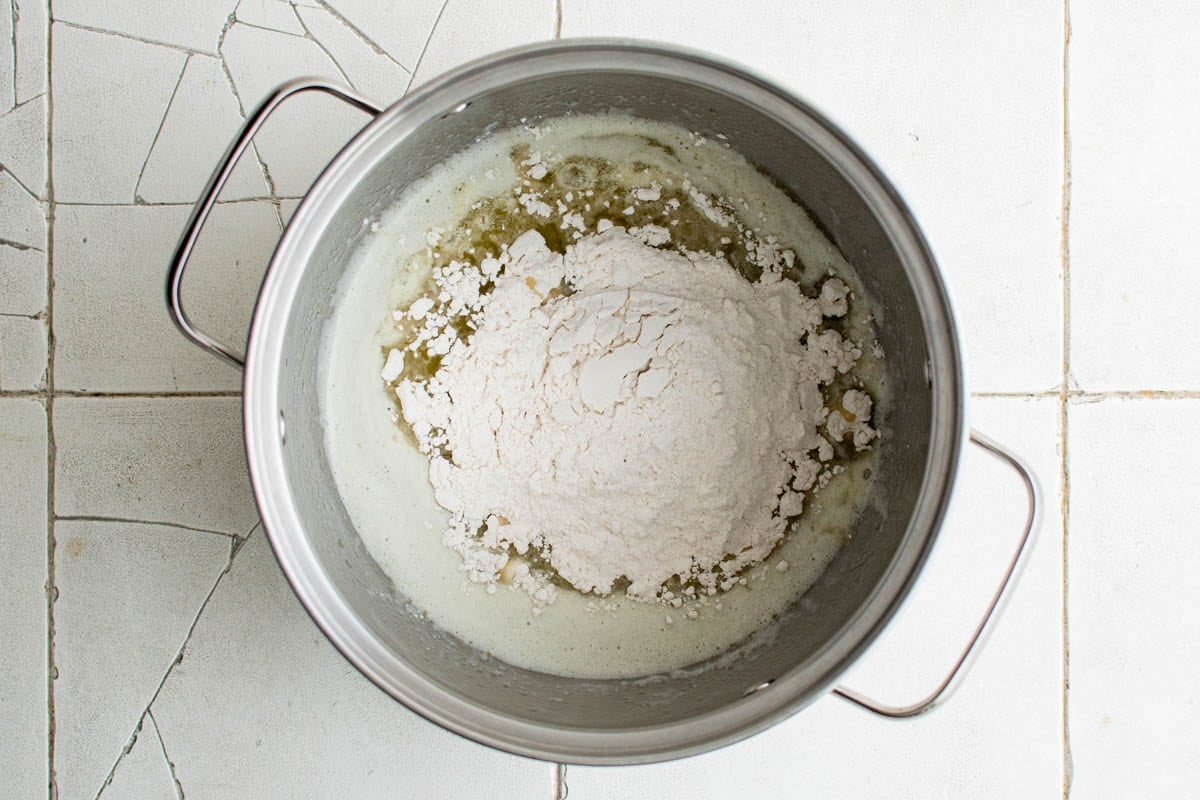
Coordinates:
(710, 200)
(623, 413)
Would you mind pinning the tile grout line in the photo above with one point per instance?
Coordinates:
(1086, 396)
(1073, 395)
(79, 394)
(51, 445)
(560, 781)
(1066, 394)
(197, 395)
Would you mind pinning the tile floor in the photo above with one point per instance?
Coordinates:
(151, 646)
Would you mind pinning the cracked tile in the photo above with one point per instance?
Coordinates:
(1133, 561)
(23, 727)
(30, 39)
(127, 596)
(260, 60)
(191, 24)
(23, 222)
(23, 350)
(112, 328)
(299, 718)
(1008, 710)
(307, 131)
(106, 119)
(23, 145)
(22, 250)
(374, 74)
(1135, 76)
(469, 29)
(173, 460)
(199, 125)
(277, 15)
(402, 39)
(965, 118)
(143, 772)
(23, 335)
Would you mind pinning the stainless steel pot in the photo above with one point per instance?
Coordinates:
(439, 676)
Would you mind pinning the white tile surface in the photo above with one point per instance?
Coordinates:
(298, 718)
(29, 73)
(23, 144)
(22, 280)
(222, 282)
(23, 222)
(201, 122)
(143, 773)
(288, 207)
(960, 105)
(105, 119)
(374, 73)
(1010, 704)
(1135, 74)
(402, 40)
(469, 29)
(111, 323)
(190, 24)
(1134, 633)
(23, 658)
(127, 596)
(171, 460)
(22, 353)
(277, 15)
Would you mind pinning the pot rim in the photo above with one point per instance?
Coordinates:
(264, 435)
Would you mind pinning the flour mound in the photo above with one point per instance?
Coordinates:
(625, 413)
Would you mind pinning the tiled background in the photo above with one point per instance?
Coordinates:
(150, 647)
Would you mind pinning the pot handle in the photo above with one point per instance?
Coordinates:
(961, 667)
(208, 199)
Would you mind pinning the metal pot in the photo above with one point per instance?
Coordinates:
(441, 677)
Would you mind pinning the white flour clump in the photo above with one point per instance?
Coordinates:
(624, 413)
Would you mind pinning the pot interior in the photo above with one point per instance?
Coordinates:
(603, 721)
